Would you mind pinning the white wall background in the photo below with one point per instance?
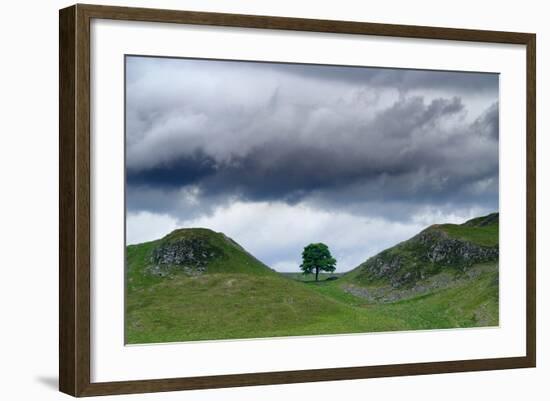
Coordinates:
(29, 184)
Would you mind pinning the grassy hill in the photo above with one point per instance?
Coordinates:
(196, 284)
(441, 248)
(218, 290)
(468, 301)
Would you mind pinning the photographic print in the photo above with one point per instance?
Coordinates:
(272, 199)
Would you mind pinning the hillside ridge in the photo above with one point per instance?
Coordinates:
(439, 247)
(197, 251)
(198, 284)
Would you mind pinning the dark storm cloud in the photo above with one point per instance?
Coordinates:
(180, 172)
(203, 133)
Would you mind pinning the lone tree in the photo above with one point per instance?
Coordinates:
(317, 257)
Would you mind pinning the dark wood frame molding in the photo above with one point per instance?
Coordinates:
(74, 199)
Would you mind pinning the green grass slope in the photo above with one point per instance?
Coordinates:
(224, 306)
(235, 297)
(467, 302)
(196, 284)
(482, 231)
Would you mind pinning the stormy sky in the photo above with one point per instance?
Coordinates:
(277, 155)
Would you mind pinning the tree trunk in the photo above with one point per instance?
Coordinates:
(317, 274)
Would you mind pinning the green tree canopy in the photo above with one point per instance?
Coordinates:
(316, 258)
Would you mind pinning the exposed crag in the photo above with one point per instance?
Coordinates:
(447, 246)
(191, 255)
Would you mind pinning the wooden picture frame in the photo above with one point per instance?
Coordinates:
(74, 200)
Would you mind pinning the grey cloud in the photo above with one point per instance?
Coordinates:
(488, 123)
(402, 79)
(406, 139)
(333, 137)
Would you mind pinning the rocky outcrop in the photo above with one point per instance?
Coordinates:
(453, 252)
(190, 255)
(389, 293)
(423, 255)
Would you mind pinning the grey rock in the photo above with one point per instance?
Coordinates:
(187, 255)
(424, 255)
(390, 293)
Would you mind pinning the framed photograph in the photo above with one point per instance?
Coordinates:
(250, 200)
